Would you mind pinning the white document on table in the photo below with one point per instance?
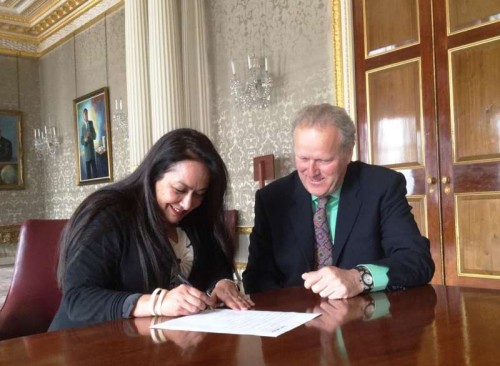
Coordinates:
(252, 322)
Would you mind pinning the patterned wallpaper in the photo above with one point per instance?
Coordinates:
(20, 90)
(295, 35)
(90, 60)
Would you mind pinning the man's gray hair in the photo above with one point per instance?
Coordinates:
(325, 115)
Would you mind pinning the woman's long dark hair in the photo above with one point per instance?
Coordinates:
(136, 195)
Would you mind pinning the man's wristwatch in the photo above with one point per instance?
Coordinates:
(365, 278)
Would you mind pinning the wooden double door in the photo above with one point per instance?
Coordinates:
(428, 105)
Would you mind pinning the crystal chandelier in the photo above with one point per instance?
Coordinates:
(255, 92)
(46, 142)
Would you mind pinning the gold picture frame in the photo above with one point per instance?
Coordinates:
(93, 137)
(11, 150)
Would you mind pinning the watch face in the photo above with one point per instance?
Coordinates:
(368, 279)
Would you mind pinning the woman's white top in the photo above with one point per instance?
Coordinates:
(183, 251)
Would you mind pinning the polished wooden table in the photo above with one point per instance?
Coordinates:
(428, 325)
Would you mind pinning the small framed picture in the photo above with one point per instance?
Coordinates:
(93, 138)
(11, 150)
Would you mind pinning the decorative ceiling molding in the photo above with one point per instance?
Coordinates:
(32, 28)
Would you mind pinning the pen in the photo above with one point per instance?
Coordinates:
(186, 282)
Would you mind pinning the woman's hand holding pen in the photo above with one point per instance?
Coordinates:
(185, 300)
(181, 300)
(227, 292)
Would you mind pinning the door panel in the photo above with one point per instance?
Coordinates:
(428, 71)
(478, 237)
(395, 99)
(475, 112)
(467, 67)
(384, 32)
(419, 209)
(394, 115)
(465, 14)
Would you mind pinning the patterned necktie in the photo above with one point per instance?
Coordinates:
(322, 235)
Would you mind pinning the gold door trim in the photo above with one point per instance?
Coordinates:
(338, 64)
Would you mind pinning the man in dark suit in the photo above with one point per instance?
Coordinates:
(376, 243)
(87, 137)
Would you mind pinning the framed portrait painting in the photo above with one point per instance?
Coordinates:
(93, 137)
(11, 150)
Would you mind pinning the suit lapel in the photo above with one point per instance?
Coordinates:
(349, 206)
(300, 219)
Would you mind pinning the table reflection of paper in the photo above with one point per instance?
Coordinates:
(253, 322)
